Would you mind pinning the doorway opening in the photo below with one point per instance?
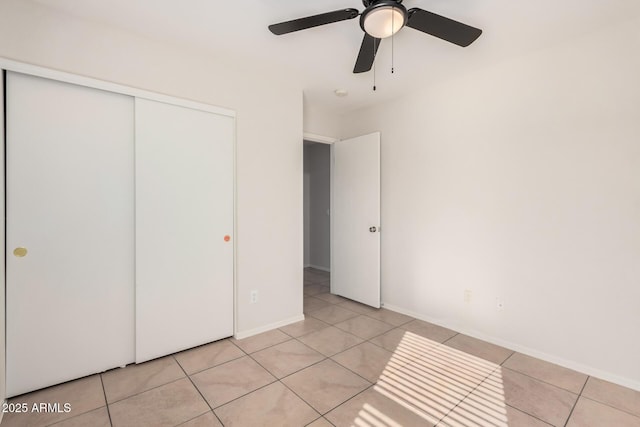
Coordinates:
(317, 217)
(341, 221)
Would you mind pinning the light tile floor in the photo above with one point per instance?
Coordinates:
(346, 364)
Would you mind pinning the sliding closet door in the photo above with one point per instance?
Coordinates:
(70, 218)
(184, 226)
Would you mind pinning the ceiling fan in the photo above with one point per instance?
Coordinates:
(381, 19)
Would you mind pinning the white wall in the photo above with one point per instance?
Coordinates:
(317, 169)
(319, 121)
(522, 182)
(269, 135)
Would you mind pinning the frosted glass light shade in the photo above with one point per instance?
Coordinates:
(384, 22)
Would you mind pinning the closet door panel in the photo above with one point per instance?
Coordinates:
(70, 236)
(184, 210)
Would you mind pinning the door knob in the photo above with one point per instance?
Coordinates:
(372, 229)
(20, 252)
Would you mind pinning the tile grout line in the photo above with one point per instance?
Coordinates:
(394, 326)
(209, 367)
(532, 416)
(305, 333)
(545, 382)
(339, 364)
(194, 418)
(468, 393)
(269, 346)
(500, 367)
(354, 317)
(366, 314)
(371, 384)
(576, 402)
(507, 359)
(321, 417)
(611, 407)
(341, 351)
(549, 384)
(291, 390)
(604, 403)
(106, 402)
(449, 339)
(239, 397)
(349, 399)
(313, 364)
(215, 366)
(198, 390)
(458, 361)
(451, 379)
(64, 420)
(144, 391)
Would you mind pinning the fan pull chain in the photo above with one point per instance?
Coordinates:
(393, 36)
(374, 75)
(374, 65)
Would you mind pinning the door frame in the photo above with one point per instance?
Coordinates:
(320, 139)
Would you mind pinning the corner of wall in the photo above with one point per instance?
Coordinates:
(255, 331)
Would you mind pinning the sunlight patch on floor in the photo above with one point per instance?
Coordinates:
(440, 385)
(370, 416)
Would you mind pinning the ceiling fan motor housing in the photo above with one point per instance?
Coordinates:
(373, 17)
(368, 3)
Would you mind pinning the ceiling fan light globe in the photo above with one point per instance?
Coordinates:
(385, 21)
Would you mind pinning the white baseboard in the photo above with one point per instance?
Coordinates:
(317, 267)
(255, 331)
(570, 364)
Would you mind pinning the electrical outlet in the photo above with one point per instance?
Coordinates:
(499, 304)
(253, 297)
(467, 295)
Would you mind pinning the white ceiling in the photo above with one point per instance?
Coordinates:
(324, 57)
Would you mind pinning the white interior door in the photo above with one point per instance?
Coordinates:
(70, 217)
(184, 228)
(355, 219)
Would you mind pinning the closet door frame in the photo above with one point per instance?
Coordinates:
(34, 70)
(16, 66)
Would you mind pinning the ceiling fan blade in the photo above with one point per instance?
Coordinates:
(367, 54)
(313, 21)
(443, 28)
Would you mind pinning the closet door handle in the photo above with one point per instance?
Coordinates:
(372, 229)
